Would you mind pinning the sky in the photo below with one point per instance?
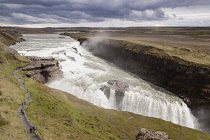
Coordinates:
(104, 13)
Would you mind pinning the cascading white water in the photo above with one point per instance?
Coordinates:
(85, 74)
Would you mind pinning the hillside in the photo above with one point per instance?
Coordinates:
(11, 96)
(59, 115)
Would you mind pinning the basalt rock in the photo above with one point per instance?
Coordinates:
(120, 85)
(146, 134)
(119, 89)
(106, 91)
(42, 69)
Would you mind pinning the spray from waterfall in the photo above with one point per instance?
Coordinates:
(93, 44)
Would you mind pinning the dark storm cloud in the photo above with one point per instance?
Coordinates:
(74, 11)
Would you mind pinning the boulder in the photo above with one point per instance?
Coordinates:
(146, 134)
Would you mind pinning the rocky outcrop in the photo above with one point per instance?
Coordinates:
(42, 69)
(106, 91)
(146, 134)
(119, 89)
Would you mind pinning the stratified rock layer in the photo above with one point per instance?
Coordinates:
(42, 69)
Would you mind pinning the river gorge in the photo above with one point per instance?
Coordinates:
(104, 84)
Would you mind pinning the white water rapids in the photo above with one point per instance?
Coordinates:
(85, 74)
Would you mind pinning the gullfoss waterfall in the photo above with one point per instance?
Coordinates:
(103, 84)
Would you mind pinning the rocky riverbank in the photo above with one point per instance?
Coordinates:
(42, 69)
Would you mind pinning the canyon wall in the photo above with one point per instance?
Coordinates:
(190, 81)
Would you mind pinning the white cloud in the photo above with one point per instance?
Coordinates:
(105, 13)
(189, 16)
(12, 6)
(33, 19)
(157, 14)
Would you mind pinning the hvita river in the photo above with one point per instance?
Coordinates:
(84, 75)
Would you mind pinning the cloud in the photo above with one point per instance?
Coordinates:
(77, 11)
(12, 6)
(32, 19)
(157, 14)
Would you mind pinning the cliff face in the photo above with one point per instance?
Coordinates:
(42, 69)
(188, 80)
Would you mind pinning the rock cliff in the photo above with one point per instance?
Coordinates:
(42, 69)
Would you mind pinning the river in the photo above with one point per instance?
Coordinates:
(84, 75)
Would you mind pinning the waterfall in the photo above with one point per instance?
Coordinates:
(87, 77)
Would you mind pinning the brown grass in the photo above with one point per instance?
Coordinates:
(191, 44)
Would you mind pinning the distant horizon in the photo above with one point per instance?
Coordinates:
(108, 27)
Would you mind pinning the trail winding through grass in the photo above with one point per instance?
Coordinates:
(24, 117)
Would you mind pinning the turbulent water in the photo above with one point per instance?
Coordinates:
(85, 74)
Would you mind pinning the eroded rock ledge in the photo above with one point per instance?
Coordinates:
(42, 69)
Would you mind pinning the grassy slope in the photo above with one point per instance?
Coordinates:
(11, 96)
(59, 115)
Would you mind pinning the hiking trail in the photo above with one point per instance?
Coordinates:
(23, 117)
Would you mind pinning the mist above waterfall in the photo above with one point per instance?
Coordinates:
(93, 44)
(85, 75)
(203, 114)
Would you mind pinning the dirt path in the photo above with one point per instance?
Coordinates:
(23, 116)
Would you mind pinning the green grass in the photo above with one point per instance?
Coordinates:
(3, 121)
(11, 96)
(59, 115)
